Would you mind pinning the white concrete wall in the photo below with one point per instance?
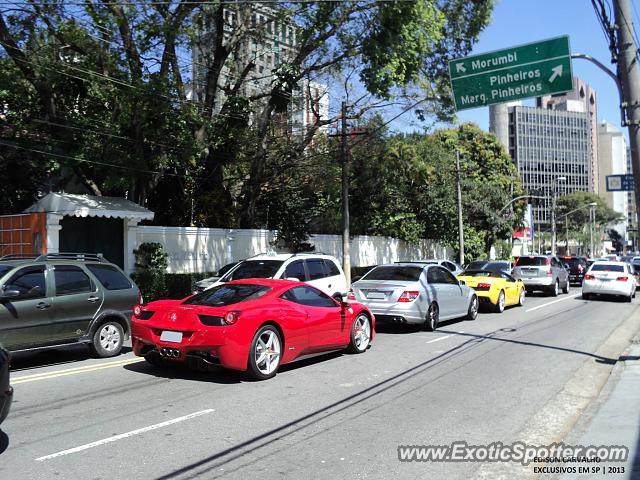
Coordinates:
(193, 250)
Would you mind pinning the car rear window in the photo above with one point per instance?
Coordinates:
(574, 262)
(110, 277)
(254, 269)
(482, 273)
(226, 294)
(499, 266)
(399, 273)
(607, 268)
(476, 265)
(531, 261)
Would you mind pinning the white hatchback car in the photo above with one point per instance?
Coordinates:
(609, 278)
(322, 271)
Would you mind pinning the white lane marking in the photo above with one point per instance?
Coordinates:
(438, 339)
(555, 301)
(73, 371)
(124, 435)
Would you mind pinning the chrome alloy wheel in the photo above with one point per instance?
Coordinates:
(110, 338)
(362, 333)
(267, 352)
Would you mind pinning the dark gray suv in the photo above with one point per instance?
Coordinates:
(542, 272)
(61, 299)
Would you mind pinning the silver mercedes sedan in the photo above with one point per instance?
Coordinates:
(416, 293)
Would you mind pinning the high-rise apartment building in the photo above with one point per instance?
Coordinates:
(612, 158)
(586, 96)
(268, 40)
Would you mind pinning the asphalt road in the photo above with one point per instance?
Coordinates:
(334, 416)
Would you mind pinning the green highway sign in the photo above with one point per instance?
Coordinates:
(530, 70)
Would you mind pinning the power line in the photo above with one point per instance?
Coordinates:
(92, 162)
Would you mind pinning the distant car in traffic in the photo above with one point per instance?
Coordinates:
(419, 293)
(255, 325)
(6, 392)
(577, 268)
(494, 288)
(205, 283)
(609, 278)
(542, 272)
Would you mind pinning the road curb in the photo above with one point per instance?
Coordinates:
(553, 422)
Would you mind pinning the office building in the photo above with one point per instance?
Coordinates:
(547, 145)
(583, 94)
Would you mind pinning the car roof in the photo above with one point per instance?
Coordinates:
(608, 262)
(286, 256)
(267, 282)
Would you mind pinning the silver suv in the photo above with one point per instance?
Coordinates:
(542, 272)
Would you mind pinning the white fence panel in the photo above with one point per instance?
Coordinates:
(192, 250)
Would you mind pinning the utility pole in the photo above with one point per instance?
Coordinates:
(591, 222)
(629, 76)
(344, 153)
(460, 224)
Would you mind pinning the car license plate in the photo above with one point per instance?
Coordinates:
(376, 295)
(169, 336)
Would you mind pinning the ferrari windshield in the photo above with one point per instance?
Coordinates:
(226, 294)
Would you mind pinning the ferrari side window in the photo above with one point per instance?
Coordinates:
(309, 297)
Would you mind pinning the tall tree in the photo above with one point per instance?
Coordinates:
(110, 95)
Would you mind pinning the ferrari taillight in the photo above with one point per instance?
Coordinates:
(408, 296)
(137, 310)
(231, 318)
(351, 295)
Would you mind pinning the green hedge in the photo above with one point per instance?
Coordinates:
(180, 285)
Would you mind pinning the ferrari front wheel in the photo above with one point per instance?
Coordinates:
(265, 353)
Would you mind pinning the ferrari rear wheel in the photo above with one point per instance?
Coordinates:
(360, 334)
(265, 353)
(521, 297)
(499, 306)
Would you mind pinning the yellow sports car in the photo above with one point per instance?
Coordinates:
(494, 288)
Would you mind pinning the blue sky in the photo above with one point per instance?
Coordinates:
(522, 21)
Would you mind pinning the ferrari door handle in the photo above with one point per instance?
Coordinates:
(43, 305)
(93, 299)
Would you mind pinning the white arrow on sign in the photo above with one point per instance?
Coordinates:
(557, 71)
(460, 68)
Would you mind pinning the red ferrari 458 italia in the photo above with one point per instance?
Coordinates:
(254, 325)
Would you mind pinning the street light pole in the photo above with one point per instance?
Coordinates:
(553, 213)
(460, 224)
(592, 216)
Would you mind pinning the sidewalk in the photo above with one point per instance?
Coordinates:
(613, 419)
